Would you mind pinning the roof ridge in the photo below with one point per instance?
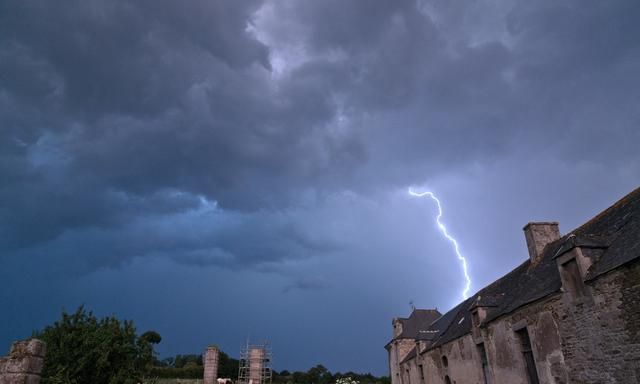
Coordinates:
(629, 197)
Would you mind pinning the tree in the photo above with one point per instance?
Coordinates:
(319, 375)
(182, 360)
(227, 366)
(84, 349)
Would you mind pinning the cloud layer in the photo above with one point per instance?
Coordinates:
(274, 141)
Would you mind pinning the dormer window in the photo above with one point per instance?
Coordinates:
(572, 278)
(574, 258)
(479, 310)
(475, 319)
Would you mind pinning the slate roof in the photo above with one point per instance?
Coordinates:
(614, 238)
(426, 335)
(446, 324)
(420, 319)
(619, 228)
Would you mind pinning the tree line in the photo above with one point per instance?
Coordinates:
(321, 375)
(82, 348)
(191, 367)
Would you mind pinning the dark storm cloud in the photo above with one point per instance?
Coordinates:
(128, 58)
(107, 105)
(272, 137)
(200, 236)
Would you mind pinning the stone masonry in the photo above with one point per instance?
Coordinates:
(211, 365)
(24, 363)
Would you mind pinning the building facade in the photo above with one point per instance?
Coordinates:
(405, 333)
(569, 314)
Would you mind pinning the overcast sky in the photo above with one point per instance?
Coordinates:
(222, 170)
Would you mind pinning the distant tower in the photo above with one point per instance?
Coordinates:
(211, 365)
(255, 364)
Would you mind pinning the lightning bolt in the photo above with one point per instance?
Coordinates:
(443, 229)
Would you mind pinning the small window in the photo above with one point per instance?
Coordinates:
(572, 278)
(485, 362)
(527, 355)
(421, 368)
(445, 361)
(447, 380)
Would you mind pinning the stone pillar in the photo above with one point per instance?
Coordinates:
(210, 365)
(24, 363)
(256, 365)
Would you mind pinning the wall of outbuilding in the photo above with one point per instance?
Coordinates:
(589, 340)
(541, 320)
(503, 350)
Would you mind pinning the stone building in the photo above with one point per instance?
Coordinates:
(570, 313)
(406, 333)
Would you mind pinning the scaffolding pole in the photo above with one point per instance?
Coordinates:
(255, 364)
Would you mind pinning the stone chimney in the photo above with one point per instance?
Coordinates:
(538, 235)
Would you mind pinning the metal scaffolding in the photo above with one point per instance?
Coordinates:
(255, 364)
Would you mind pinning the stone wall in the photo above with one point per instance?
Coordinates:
(463, 361)
(432, 362)
(504, 353)
(398, 350)
(458, 360)
(24, 363)
(412, 371)
(601, 334)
